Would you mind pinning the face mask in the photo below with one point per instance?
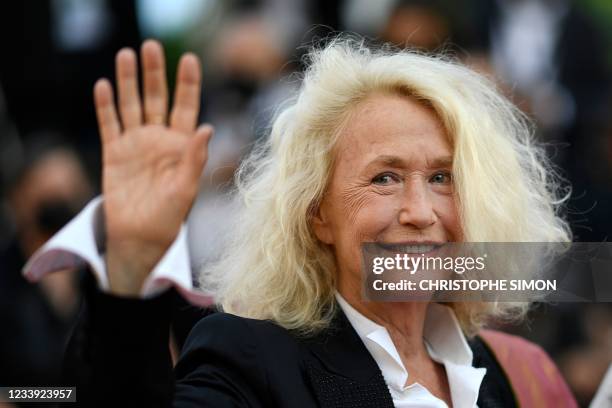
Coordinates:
(52, 215)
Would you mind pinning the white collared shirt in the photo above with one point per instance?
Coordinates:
(445, 343)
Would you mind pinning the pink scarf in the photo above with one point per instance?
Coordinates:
(534, 378)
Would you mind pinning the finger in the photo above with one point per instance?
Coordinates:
(127, 86)
(195, 158)
(154, 79)
(187, 96)
(106, 113)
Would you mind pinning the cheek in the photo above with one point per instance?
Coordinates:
(448, 213)
(362, 216)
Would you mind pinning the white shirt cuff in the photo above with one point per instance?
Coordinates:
(80, 241)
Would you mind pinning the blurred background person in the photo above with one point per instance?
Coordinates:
(48, 189)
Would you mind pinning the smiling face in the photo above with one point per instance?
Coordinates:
(391, 183)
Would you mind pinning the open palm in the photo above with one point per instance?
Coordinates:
(151, 163)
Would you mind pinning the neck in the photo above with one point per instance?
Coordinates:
(403, 320)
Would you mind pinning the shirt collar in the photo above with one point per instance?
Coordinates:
(441, 331)
(445, 343)
(377, 340)
(444, 336)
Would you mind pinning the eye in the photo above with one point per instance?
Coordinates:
(385, 179)
(441, 178)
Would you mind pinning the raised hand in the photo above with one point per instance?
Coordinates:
(151, 163)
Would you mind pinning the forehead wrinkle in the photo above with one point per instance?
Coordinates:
(353, 138)
(399, 162)
(440, 161)
(356, 142)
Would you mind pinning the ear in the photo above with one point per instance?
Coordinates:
(321, 226)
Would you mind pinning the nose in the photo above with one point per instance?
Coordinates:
(416, 207)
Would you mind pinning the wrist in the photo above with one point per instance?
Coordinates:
(128, 267)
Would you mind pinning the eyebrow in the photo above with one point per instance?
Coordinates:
(398, 162)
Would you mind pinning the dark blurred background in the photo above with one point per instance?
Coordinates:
(553, 58)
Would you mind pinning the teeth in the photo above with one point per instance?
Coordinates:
(409, 249)
(417, 249)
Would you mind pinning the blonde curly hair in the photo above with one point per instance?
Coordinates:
(273, 267)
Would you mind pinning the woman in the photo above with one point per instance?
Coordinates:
(378, 146)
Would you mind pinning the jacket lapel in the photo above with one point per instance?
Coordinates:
(495, 390)
(342, 372)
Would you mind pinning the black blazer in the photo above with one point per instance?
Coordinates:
(118, 356)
